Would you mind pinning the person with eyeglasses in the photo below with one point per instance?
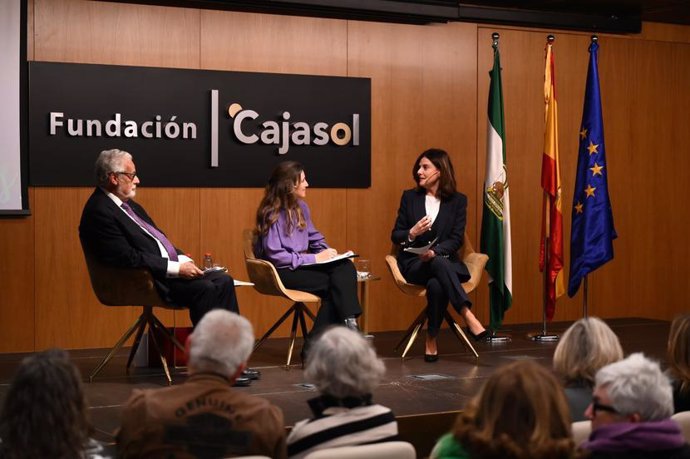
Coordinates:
(631, 410)
(118, 232)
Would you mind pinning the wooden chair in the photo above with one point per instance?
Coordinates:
(683, 420)
(267, 282)
(128, 287)
(581, 431)
(475, 263)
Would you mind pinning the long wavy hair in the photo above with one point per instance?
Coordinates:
(44, 414)
(279, 195)
(446, 182)
(520, 413)
(678, 351)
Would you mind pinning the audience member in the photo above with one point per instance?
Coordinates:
(520, 412)
(344, 367)
(630, 412)
(205, 417)
(679, 362)
(44, 414)
(584, 348)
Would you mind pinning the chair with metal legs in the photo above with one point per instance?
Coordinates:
(475, 263)
(128, 287)
(267, 282)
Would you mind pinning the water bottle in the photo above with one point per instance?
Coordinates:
(208, 261)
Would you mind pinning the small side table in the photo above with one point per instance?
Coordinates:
(363, 287)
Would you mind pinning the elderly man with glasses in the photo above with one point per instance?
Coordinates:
(631, 407)
(118, 232)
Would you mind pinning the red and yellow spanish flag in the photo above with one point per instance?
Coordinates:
(552, 216)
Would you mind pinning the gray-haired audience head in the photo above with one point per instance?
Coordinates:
(221, 343)
(636, 385)
(342, 364)
(109, 161)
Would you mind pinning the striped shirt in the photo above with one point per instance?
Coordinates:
(341, 426)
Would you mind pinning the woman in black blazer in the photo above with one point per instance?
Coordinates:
(435, 211)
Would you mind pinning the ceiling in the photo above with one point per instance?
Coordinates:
(614, 16)
(668, 11)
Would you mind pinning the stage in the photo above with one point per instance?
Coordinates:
(426, 397)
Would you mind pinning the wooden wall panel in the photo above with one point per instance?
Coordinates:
(17, 283)
(429, 88)
(423, 95)
(650, 208)
(106, 33)
(267, 43)
(30, 30)
(116, 33)
(664, 32)
(522, 60)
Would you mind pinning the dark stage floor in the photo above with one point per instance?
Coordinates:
(426, 397)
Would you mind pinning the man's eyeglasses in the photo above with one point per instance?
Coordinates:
(129, 175)
(596, 406)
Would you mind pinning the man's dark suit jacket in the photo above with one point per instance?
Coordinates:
(114, 239)
(449, 228)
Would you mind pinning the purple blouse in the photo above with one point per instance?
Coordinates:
(295, 249)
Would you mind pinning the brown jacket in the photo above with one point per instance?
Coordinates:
(202, 418)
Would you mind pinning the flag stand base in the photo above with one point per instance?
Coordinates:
(544, 337)
(493, 338)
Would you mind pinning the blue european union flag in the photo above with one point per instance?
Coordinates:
(592, 232)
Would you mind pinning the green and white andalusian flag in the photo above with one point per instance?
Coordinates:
(495, 239)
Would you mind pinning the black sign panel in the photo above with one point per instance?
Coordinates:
(195, 127)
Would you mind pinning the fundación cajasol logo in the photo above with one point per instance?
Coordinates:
(286, 132)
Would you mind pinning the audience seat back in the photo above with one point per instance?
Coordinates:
(387, 450)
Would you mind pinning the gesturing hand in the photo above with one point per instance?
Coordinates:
(326, 255)
(421, 227)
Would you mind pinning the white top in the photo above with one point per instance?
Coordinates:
(433, 205)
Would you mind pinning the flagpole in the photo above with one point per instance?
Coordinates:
(493, 337)
(584, 298)
(544, 336)
(592, 229)
(585, 291)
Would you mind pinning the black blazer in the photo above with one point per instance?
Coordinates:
(449, 228)
(114, 239)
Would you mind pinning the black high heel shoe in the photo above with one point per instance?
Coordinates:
(479, 336)
(430, 358)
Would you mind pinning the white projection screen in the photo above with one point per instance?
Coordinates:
(13, 197)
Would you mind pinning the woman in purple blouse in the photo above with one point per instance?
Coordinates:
(289, 240)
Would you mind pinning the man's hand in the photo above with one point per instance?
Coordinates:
(326, 255)
(427, 256)
(188, 270)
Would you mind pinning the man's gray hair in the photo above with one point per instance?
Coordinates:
(637, 385)
(221, 342)
(343, 364)
(109, 161)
